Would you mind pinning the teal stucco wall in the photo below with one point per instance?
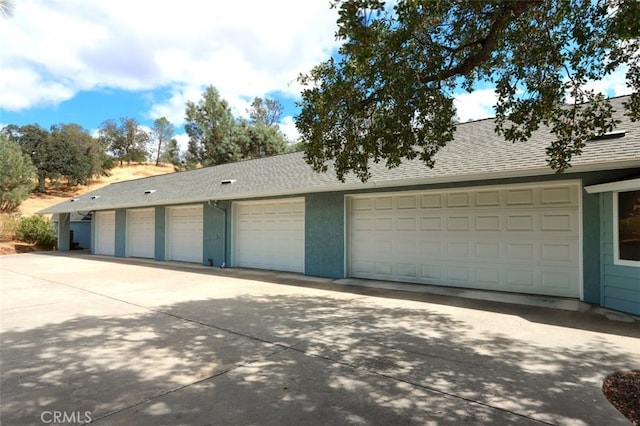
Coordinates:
(160, 237)
(324, 235)
(592, 233)
(216, 244)
(620, 283)
(64, 226)
(121, 233)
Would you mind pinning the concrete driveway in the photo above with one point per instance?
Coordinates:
(125, 343)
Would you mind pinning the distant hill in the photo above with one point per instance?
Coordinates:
(37, 201)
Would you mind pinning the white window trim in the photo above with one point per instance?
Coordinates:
(616, 233)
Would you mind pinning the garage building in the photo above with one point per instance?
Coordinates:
(490, 215)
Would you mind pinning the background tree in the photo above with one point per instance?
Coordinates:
(79, 155)
(127, 140)
(261, 136)
(16, 175)
(210, 126)
(34, 141)
(267, 112)
(259, 140)
(216, 137)
(388, 95)
(171, 154)
(161, 133)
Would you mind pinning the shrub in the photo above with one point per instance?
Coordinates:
(37, 230)
(8, 225)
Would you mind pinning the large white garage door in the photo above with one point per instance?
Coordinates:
(141, 229)
(105, 229)
(185, 234)
(511, 238)
(270, 235)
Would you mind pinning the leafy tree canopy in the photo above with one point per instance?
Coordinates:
(209, 124)
(127, 140)
(217, 137)
(16, 175)
(78, 155)
(162, 132)
(265, 111)
(67, 150)
(388, 95)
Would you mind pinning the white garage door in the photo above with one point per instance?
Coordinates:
(105, 233)
(141, 229)
(513, 238)
(270, 235)
(185, 234)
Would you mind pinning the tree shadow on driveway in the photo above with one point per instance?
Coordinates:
(296, 359)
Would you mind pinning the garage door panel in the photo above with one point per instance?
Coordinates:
(488, 277)
(487, 250)
(557, 279)
(431, 272)
(559, 252)
(105, 233)
(521, 279)
(460, 275)
(499, 239)
(185, 233)
(559, 195)
(273, 237)
(141, 233)
(488, 199)
(408, 270)
(488, 223)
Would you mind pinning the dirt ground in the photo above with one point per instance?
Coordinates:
(622, 389)
(55, 195)
(37, 201)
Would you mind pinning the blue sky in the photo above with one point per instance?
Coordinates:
(84, 62)
(79, 61)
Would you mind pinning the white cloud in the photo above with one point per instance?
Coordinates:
(288, 127)
(614, 84)
(479, 103)
(183, 141)
(244, 48)
(475, 105)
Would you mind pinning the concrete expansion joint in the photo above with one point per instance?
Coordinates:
(224, 371)
(415, 384)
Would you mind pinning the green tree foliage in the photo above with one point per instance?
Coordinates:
(34, 142)
(162, 133)
(267, 111)
(37, 230)
(80, 156)
(210, 125)
(388, 95)
(16, 175)
(126, 140)
(216, 137)
(171, 154)
(67, 151)
(259, 140)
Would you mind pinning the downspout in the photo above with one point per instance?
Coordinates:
(214, 204)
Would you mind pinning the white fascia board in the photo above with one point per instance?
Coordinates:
(624, 185)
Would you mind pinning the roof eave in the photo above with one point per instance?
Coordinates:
(392, 183)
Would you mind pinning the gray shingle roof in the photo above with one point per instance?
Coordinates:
(476, 153)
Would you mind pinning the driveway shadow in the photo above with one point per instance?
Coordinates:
(589, 320)
(294, 359)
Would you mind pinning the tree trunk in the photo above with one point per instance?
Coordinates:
(158, 155)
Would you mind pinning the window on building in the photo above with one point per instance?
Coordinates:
(628, 227)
